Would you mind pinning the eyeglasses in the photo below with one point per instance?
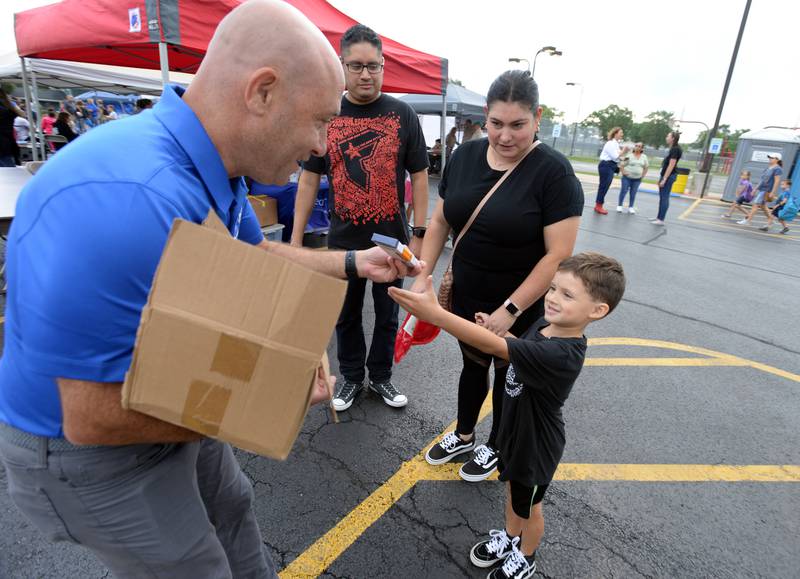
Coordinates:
(358, 67)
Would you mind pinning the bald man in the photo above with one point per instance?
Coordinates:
(151, 499)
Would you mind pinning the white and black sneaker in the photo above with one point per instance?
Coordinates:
(516, 565)
(346, 394)
(482, 465)
(389, 393)
(488, 552)
(447, 448)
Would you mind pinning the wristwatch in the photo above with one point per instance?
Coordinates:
(350, 269)
(512, 308)
(419, 231)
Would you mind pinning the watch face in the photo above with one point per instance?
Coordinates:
(512, 309)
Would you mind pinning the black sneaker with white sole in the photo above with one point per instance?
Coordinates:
(515, 566)
(489, 551)
(389, 393)
(482, 465)
(447, 448)
(346, 394)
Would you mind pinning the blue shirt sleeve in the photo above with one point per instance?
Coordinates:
(85, 275)
(249, 229)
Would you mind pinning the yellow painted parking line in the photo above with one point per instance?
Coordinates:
(320, 555)
(689, 210)
(647, 472)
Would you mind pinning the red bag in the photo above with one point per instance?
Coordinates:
(413, 332)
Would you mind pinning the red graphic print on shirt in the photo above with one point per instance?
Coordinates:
(363, 157)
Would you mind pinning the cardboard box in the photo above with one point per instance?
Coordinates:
(266, 209)
(230, 339)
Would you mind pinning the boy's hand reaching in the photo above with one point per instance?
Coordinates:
(425, 305)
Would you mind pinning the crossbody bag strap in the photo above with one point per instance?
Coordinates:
(490, 193)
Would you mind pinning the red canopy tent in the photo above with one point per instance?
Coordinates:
(148, 33)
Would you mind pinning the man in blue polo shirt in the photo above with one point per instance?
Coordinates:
(147, 497)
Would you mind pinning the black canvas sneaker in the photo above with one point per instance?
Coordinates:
(389, 393)
(482, 465)
(345, 394)
(451, 445)
(489, 551)
(515, 566)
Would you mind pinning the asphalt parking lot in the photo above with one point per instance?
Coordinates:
(683, 436)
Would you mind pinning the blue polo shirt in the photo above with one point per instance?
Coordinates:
(88, 233)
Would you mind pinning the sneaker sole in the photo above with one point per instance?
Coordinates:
(388, 402)
(343, 407)
(480, 562)
(475, 477)
(448, 458)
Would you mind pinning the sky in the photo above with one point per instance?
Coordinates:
(671, 55)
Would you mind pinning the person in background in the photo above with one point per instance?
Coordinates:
(767, 187)
(608, 166)
(435, 157)
(371, 145)
(779, 211)
(9, 150)
(92, 113)
(111, 113)
(69, 105)
(450, 141)
(22, 128)
(80, 116)
(143, 104)
(507, 257)
(634, 167)
(668, 175)
(744, 194)
(63, 126)
(49, 121)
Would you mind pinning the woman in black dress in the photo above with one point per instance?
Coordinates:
(504, 264)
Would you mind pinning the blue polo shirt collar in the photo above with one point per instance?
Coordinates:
(181, 121)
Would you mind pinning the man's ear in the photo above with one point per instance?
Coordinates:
(260, 89)
(599, 311)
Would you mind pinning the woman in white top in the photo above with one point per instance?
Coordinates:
(634, 167)
(609, 157)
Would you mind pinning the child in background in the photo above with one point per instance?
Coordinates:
(785, 208)
(744, 194)
(545, 362)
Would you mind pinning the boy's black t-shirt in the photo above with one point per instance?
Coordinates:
(506, 241)
(675, 152)
(540, 378)
(370, 148)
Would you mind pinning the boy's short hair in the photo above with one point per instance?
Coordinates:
(602, 276)
(788, 182)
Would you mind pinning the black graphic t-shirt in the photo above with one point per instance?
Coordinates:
(675, 152)
(370, 148)
(540, 377)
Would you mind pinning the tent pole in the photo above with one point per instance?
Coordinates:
(29, 110)
(442, 128)
(39, 129)
(163, 57)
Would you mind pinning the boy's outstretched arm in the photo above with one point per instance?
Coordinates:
(425, 306)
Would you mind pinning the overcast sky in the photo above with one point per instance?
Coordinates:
(670, 55)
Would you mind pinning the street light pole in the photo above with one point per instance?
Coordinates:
(713, 131)
(577, 117)
(527, 62)
(551, 50)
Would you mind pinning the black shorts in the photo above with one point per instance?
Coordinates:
(524, 497)
(776, 210)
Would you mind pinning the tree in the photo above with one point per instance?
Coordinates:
(551, 113)
(609, 117)
(654, 129)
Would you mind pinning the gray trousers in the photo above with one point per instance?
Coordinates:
(149, 510)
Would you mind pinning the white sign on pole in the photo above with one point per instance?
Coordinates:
(556, 130)
(715, 146)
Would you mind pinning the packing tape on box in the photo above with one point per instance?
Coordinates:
(205, 407)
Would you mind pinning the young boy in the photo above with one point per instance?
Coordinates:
(779, 210)
(545, 362)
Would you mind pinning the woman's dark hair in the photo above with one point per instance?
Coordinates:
(357, 34)
(63, 117)
(676, 136)
(514, 86)
(51, 113)
(4, 100)
(780, 162)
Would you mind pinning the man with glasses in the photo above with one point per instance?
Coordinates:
(371, 145)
